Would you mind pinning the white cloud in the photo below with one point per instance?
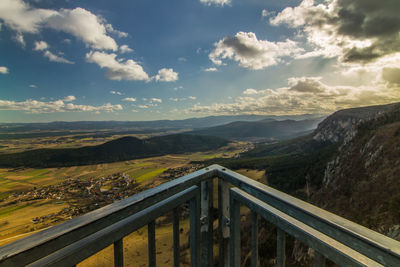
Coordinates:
(34, 106)
(20, 17)
(125, 49)
(111, 29)
(142, 106)
(134, 110)
(303, 95)
(85, 26)
(79, 22)
(55, 58)
(67, 41)
(212, 69)
(182, 59)
(69, 98)
(117, 69)
(173, 99)
(155, 100)
(266, 13)
(130, 99)
(252, 53)
(250, 91)
(192, 97)
(40, 46)
(19, 38)
(177, 88)
(32, 86)
(216, 2)
(115, 93)
(4, 70)
(166, 75)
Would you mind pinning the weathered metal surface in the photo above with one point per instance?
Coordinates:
(206, 220)
(175, 230)
(254, 239)
(370, 243)
(328, 247)
(151, 242)
(194, 236)
(119, 253)
(223, 222)
(234, 232)
(280, 248)
(90, 245)
(43, 243)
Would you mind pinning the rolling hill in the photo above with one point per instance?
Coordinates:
(124, 148)
(263, 130)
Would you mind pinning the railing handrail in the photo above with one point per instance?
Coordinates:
(374, 245)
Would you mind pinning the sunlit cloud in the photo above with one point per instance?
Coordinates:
(34, 106)
(4, 70)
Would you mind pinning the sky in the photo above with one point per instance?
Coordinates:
(69, 60)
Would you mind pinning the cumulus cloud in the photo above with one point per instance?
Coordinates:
(125, 49)
(192, 97)
(353, 30)
(69, 98)
(178, 88)
(79, 22)
(85, 26)
(55, 58)
(212, 69)
(302, 95)
(266, 13)
(34, 106)
(155, 100)
(19, 38)
(166, 75)
(115, 93)
(40, 46)
(216, 2)
(117, 69)
(111, 29)
(32, 86)
(4, 70)
(252, 53)
(129, 99)
(142, 106)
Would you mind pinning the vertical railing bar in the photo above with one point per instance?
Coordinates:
(194, 206)
(118, 253)
(206, 227)
(235, 232)
(319, 259)
(281, 248)
(175, 226)
(254, 239)
(223, 222)
(151, 235)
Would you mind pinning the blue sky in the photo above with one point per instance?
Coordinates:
(145, 59)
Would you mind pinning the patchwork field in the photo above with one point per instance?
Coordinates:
(16, 218)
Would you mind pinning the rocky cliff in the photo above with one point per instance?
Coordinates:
(362, 183)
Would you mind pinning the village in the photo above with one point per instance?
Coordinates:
(84, 195)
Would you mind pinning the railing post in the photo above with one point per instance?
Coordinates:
(254, 239)
(118, 253)
(206, 228)
(235, 232)
(194, 237)
(319, 259)
(281, 248)
(223, 222)
(175, 226)
(151, 234)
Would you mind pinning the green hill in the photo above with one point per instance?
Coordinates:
(124, 148)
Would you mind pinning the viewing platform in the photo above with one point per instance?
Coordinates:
(330, 236)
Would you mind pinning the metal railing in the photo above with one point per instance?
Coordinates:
(331, 237)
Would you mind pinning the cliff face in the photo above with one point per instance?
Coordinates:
(362, 183)
(341, 125)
